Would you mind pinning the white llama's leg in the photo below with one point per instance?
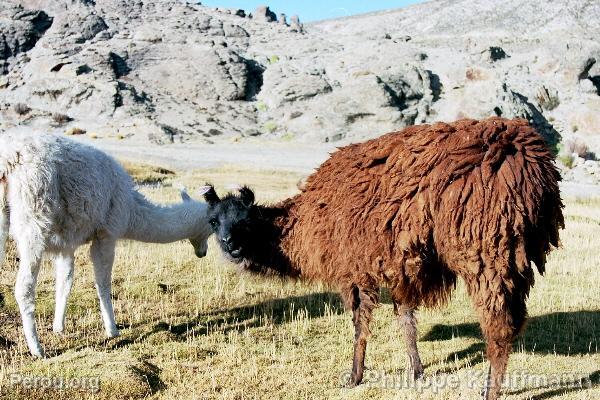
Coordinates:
(3, 235)
(4, 221)
(103, 254)
(64, 266)
(25, 296)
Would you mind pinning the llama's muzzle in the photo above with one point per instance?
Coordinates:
(200, 253)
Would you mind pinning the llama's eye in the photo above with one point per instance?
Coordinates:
(213, 222)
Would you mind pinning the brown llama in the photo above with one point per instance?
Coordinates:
(412, 210)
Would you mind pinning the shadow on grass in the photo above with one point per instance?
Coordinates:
(563, 333)
(277, 311)
(561, 388)
(6, 320)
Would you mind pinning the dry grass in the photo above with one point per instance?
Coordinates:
(144, 174)
(60, 119)
(575, 146)
(75, 131)
(195, 328)
(21, 108)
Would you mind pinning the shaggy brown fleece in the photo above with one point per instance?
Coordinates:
(414, 209)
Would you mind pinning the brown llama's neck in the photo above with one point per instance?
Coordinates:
(269, 255)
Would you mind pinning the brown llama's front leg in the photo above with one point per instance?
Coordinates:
(408, 323)
(502, 316)
(362, 302)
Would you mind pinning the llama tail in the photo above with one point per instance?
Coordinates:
(4, 218)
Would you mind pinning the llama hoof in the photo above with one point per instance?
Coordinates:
(348, 380)
(352, 382)
(113, 333)
(417, 375)
(414, 367)
(485, 394)
(38, 353)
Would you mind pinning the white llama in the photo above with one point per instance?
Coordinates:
(57, 194)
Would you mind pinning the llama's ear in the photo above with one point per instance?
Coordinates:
(209, 194)
(184, 195)
(247, 196)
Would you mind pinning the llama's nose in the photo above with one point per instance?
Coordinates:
(200, 253)
(227, 240)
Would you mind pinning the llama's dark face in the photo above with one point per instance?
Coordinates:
(232, 219)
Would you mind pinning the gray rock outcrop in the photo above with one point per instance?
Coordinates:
(169, 71)
(20, 29)
(295, 24)
(515, 105)
(263, 13)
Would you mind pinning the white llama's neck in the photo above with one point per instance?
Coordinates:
(151, 223)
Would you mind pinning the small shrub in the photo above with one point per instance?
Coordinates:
(144, 174)
(270, 126)
(21, 108)
(559, 148)
(287, 137)
(575, 146)
(60, 119)
(260, 106)
(547, 99)
(75, 131)
(566, 160)
(273, 59)
(356, 74)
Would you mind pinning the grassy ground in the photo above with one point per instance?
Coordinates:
(195, 328)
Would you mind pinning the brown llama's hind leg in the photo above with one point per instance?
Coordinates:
(497, 353)
(502, 316)
(408, 323)
(362, 301)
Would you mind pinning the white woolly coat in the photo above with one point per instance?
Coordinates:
(68, 192)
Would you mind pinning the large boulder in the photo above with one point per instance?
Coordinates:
(412, 90)
(178, 71)
(590, 74)
(515, 105)
(285, 82)
(299, 98)
(234, 31)
(264, 13)
(20, 29)
(295, 24)
(196, 72)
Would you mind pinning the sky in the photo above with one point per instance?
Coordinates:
(313, 10)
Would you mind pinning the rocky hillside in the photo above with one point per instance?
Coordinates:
(166, 71)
